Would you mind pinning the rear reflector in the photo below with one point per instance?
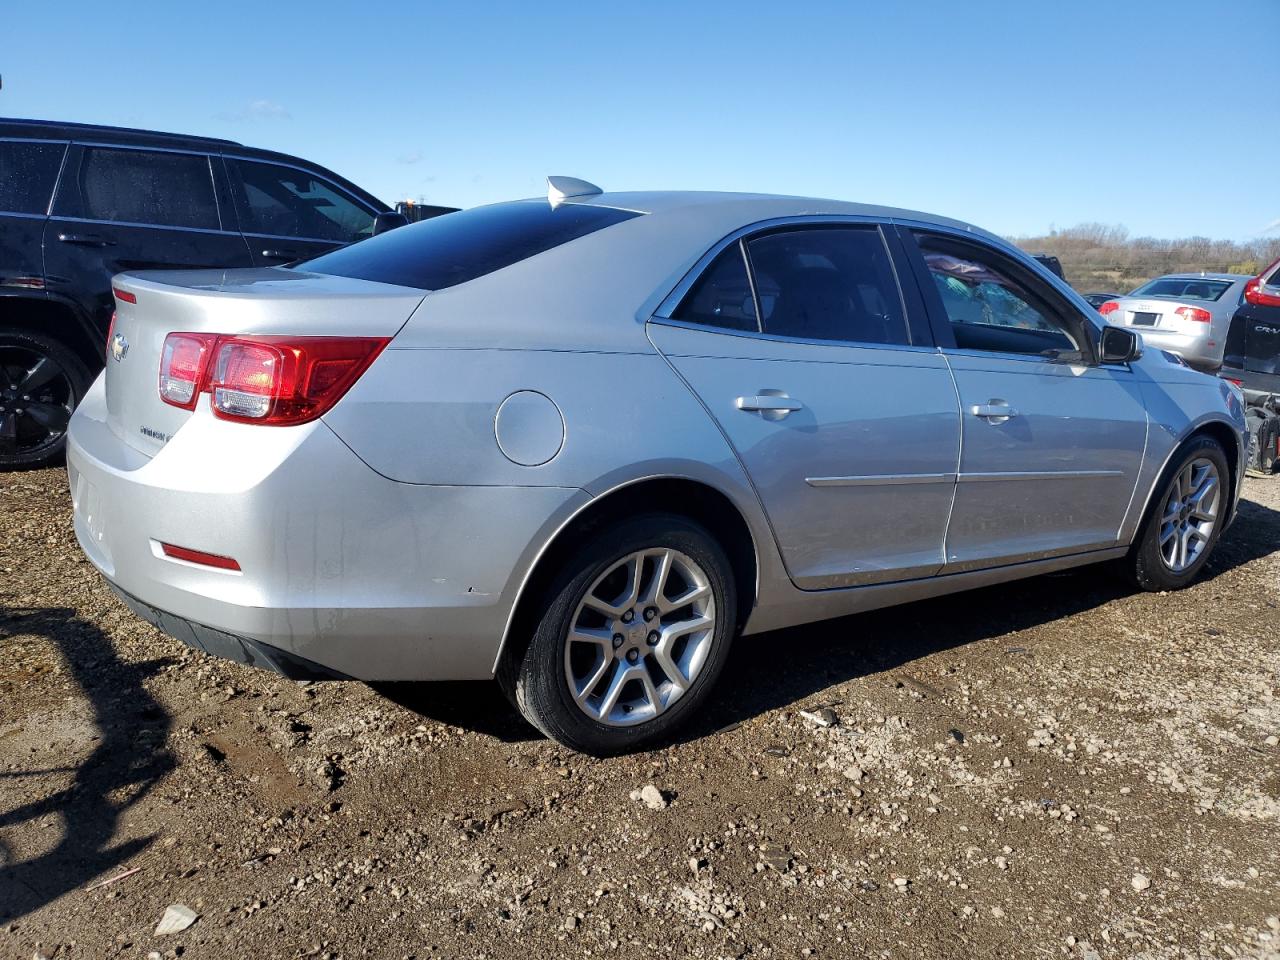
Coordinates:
(200, 557)
(276, 381)
(1194, 313)
(111, 333)
(1111, 306)
(124, 296)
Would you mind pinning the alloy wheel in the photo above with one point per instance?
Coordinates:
(1190, 514)
(639, 637)
(36, 400)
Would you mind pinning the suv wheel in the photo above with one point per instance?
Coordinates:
(41, 381)
(632, 637)
(1185, 518)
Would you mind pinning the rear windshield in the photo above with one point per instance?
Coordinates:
(1184, 288)
(457, 247)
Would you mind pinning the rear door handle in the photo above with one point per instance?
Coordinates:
(994, 411)
(770, 404)
(86, 239)
(287, 255)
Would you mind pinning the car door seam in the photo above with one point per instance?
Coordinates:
(946, 530)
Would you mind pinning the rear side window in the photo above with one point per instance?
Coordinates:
(457, 247)
(722, 296)
(828, 283)
(285, 202)
(142, 186)
(28, 171)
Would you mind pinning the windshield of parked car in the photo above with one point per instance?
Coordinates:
(457, 247)
(1183, 288)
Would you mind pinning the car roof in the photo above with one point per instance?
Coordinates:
(61, 130)
(753, 207)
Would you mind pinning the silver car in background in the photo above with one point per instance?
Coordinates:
(1184, 313)
(579, 443)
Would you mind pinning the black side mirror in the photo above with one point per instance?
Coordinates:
(1120, 345)
(388, 220)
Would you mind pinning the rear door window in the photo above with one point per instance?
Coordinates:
(282, 201)
(828, 283)
(28, 172)
(722, 297)
(457, 247)
(149, 187)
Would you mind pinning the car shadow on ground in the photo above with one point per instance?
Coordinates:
(129, 758)
(819, 655)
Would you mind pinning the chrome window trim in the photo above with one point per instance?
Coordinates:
(141, 148)
(277, 236)
(146, 226)
(1032, 358)
(780, 338)
(66, 149)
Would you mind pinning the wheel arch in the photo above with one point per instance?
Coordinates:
(696, 500)
(57, 318)
(1227, 437)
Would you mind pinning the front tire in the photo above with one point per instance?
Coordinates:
(632, 637)
(1184, 520)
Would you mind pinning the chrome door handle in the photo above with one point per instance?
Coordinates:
(85, 240)
(994, 411)
(770, 404)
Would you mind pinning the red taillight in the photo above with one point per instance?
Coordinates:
(1253, 294)
(1111, 306)
(1238, 383)
(200, 557)
(111, 332)
(124, 296)
(270, 380)
(182, 365)
(1194, 313)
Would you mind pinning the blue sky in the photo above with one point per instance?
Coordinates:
(1017, 116)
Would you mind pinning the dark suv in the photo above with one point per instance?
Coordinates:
(80, 203)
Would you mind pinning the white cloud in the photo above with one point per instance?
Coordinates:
(1272, 227)
(412, 157)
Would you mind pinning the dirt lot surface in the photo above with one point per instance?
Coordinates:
(1055, 768)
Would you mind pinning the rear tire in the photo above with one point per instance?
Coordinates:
(41, 381)
(623, 653)
(1184, 519)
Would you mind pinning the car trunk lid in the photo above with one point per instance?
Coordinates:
(268, 302)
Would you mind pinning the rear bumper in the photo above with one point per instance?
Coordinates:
(1193, 348)
(342, 570)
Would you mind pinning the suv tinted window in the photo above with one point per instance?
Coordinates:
(828, 283)
(990, 307)
(458, 247)
(28, 171)
(286, 202)
(142, 186)
(722, 296)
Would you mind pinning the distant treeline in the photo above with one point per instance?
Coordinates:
(1102, 257)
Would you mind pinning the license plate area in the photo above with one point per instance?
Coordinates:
(1141, 319)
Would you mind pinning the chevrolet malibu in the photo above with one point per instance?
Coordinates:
(579, 443)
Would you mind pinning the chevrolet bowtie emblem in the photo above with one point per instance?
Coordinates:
(119, 347)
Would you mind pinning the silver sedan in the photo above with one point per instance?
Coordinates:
(1184, 313)
(579, 443)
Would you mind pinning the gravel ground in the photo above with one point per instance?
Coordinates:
(1052, 768)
